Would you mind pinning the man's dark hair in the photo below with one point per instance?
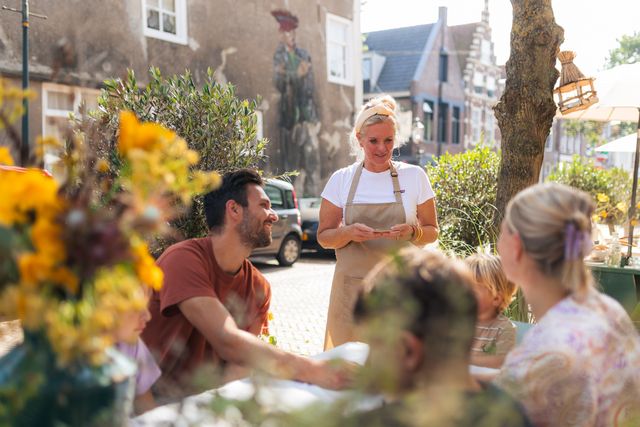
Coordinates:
(433, 297)
(233, 187)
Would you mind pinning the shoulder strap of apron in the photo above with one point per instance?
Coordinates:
(354, 183)
(397, 192)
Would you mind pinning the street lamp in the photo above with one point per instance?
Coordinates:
(417, 134)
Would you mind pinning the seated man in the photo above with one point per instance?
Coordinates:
(419, 319)
(214, 302)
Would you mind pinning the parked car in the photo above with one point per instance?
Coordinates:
(286, 245)
(310, 212)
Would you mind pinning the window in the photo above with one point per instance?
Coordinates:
(427, 109)
(491, 86)
(475, 124)
(478, 82)
(275, 195)
(455, 126)
(489, 126)
(339, 50)
(443, 112)
(444, 66)
(485, 51)
(165, 20)
(58, 102)
(291, 202)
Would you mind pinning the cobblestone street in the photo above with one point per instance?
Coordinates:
(299, 301)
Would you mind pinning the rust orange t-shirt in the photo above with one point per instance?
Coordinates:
(190, 270)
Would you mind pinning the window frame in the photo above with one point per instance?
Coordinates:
(79, 94)
(180, 37)
(348, 78)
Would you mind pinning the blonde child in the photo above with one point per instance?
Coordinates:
(495, 334)
(129, 343)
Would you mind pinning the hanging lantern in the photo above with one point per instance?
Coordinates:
(576, 92)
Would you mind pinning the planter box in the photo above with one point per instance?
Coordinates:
(623, 284)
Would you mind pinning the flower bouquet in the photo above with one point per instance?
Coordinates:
(74, 259)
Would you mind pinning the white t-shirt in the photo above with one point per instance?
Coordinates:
(378, 187)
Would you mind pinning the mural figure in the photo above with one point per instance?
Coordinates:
(299, 125)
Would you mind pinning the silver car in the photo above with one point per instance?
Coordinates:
(286, 232)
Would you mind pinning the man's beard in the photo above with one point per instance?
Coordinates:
(253, 233)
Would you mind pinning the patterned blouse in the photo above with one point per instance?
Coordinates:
(579, 366)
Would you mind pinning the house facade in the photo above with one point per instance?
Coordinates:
(444, 76)
(482, 78)
(303, 60)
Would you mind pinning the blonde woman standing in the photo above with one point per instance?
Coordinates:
(370, 208)
(580, 365)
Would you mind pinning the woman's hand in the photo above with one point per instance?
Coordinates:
(360, 233)
(402, 232)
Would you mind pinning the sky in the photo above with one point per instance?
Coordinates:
(591, 27)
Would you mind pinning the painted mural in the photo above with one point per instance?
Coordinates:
(298, 118)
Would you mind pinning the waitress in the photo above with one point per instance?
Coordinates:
(369, 209)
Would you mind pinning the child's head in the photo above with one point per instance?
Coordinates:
(131, 323)
(491, 285)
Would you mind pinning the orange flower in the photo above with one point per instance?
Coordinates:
(142, 136)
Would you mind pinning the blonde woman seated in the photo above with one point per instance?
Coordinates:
(580, 365)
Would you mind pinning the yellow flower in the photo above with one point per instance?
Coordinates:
(5, 156)
(33, 268)
(143, 136)
(604, 214)
(634, 222)
(270, 316)
(146, 269)
(26, 191)
(602, 197)
(65, 277)
(102, 166)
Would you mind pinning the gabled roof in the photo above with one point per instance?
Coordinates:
(402, 48)
(462, 38)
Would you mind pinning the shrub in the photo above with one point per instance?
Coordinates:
(465, 188)
(610, 188)
(213, 121)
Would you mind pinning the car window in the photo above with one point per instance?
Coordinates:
(275, 195)
(289, 196)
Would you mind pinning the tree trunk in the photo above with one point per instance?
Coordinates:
(526, 108)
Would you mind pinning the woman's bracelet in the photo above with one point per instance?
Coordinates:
(417, 234)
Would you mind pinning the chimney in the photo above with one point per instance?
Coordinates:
(442, 15)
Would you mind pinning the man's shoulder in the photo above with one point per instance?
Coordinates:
(254, 274)
(185, 248)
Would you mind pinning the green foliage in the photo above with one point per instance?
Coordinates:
(465, 188)
(613, 183)
(628, 51)
(213, 121)
(590, 130)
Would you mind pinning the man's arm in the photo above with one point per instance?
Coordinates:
(242, 348)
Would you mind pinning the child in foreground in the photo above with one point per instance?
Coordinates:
(495, 334)
(129, 343)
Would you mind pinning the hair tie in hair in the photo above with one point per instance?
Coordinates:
(378, 109)
(576, 243)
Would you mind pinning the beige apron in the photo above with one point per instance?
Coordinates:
(356, 259)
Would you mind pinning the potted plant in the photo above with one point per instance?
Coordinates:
(75, 257)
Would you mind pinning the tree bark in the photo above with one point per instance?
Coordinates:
(526, 108)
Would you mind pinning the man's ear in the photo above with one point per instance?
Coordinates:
(233, 209)
(413, 352)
